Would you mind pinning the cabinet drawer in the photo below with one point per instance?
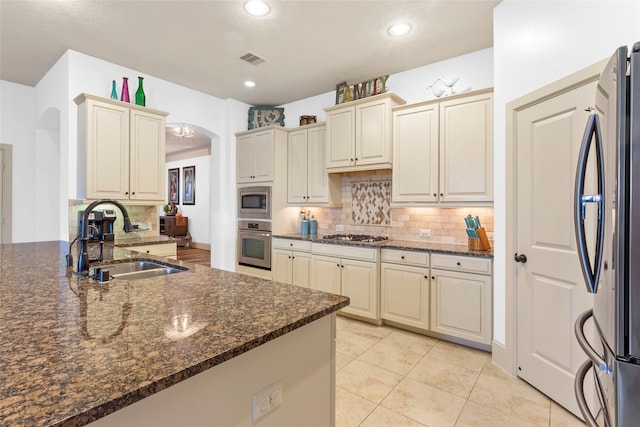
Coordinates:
(168, 250)
(292, 244)
(461, 263)
(420, 259)
(343, 251)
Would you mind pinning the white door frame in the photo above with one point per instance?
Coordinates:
(505, 355)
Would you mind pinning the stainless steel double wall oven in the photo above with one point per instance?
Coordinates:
(254, 227)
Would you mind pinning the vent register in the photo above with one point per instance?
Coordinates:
(252, 58)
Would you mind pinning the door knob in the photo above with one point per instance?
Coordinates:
(520, 258)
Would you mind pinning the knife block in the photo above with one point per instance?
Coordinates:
(474, 244)
(484, 240)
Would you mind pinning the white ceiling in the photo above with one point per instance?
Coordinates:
(309, 46)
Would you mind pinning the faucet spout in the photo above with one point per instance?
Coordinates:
(83, 257)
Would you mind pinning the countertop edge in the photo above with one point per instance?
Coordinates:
(147, 390)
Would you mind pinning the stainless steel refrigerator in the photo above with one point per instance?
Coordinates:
(607, 222)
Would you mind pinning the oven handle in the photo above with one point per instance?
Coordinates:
(255, 233)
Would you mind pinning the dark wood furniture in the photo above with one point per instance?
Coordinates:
(175, 226)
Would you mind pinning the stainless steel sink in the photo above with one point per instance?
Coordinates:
(140, 269)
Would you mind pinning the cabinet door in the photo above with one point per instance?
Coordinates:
(264, 156)
(405, 294)
(466, 149)
(373, 133)
(461, 305)
(325, 274)
(340, 138)
(245, 158)
(317, 177)
(146, 151)
(301, 267)
(107, 155)
(297, 166)
(360, 284)
(415, 155)
(282, 266)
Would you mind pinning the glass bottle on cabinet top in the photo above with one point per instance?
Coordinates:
(124, 95)
(114, 94)
(140, 96)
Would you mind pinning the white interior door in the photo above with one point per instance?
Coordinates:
(550, 287)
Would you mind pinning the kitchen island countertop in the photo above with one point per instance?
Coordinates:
(73, 351)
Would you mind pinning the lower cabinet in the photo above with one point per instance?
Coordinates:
(404, 278)
(354, 278)
(461, 297)
(167, 250)
(291, 260)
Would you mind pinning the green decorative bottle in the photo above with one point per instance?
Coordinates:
(140, 97)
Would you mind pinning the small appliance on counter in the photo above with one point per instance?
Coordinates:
(100, 224)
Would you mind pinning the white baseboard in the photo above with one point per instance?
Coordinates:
(503, 358)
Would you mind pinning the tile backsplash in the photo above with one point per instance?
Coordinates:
(366, 201)
(146, 217)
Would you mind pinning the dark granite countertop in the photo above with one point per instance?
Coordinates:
(72, 351)
(444, 248)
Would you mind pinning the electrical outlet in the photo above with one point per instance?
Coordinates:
(339, 227)
(425, 232)
(266, 400)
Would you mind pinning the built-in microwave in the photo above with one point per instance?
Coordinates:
(254, 202)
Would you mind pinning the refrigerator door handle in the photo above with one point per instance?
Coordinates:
(584, 343)
(578, 386)
(591, 272)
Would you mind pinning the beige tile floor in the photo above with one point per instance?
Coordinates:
(389, 377)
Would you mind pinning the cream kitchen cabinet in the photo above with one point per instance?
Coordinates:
(349, 271)
(255, 153)
(167, 250)
(443, 151)
(121, 150)
(308, 181)
(359, 134)
(461, 292)
(291, 261)
(404, 277)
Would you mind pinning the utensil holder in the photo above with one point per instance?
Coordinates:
(474, 244)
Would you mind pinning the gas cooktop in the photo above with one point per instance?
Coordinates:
(355, 237)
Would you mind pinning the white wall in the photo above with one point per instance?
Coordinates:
(474, 69)
(537, 43)
(199, 214)
(17, 128)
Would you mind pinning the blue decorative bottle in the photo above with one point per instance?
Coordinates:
(114, 94)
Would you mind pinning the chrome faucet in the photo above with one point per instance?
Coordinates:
(83, 257)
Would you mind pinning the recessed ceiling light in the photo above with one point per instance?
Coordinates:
(256, 8)
(249, 83)
(398, 30)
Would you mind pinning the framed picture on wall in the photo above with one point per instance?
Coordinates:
(189, 179)
(174, 186)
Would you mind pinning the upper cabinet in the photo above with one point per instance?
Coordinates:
(443, 151)
(308, 181)
(255, 154)
(121, 150)
(359, 134)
